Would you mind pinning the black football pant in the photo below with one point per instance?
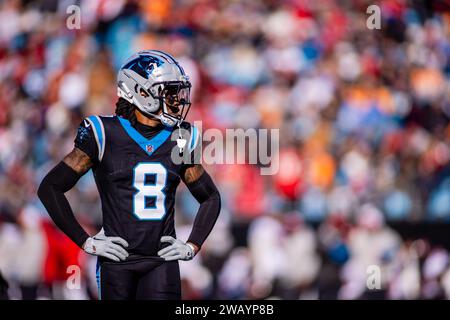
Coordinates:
(138, 279)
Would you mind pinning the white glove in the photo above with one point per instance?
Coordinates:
(178, 250)
(108, 247)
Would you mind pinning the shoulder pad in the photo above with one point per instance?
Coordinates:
(99, 133)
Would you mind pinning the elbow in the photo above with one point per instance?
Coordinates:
(42, 189)
(218, 200)
(212, 197)
(46, 191)
(46, 188)
(212, 200)
(58, 180)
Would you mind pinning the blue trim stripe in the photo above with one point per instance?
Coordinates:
(154, 143)
(99, 134)
(98, 278)
(194, 137)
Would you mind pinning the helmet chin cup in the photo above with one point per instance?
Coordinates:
(167, 121)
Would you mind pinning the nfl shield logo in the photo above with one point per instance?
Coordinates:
(149, 148)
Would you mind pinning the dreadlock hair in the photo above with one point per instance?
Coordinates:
(125, 109)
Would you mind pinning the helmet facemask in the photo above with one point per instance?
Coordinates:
(174, 99)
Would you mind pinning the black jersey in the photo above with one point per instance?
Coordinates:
(136, 178)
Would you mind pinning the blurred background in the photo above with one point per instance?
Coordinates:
(364, 153)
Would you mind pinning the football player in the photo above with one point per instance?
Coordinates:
(130, 155)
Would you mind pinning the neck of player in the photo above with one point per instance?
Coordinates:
(146, 120)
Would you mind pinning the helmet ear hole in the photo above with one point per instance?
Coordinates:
(143, 93)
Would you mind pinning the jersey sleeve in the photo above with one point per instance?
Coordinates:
(86, 141)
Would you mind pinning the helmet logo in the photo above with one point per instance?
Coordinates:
(151, 67)
(144, 65)
(153, 63)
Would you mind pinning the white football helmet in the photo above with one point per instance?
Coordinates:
(153, 80)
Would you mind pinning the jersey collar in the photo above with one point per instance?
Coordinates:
(148, 145)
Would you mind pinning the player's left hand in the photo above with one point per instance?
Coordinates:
(178, 250)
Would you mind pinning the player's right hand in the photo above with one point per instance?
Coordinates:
(108, 247)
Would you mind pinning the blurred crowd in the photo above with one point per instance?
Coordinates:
(364, 140)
